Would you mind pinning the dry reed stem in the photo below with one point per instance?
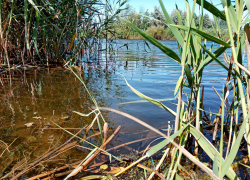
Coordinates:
(243, 68)
(45, 156)
(131, 165)
(151, 170)
(103, 146)
(105, 131)
(51, 172)
(54, 171)
(184, 151)
(159, 164)
(57, 175)
(64, 167)
(247, 41)
(197, 121)
(91, 125)
(217, 118)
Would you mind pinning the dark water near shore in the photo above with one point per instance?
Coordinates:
(39, 96)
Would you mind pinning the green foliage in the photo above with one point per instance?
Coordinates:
(194, 56)
(47, 31)
(154, 23)
(158, 15)
(159, 32)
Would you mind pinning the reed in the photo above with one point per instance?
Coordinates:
(193, 57)
(50, 32)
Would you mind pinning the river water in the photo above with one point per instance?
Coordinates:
(36, 97)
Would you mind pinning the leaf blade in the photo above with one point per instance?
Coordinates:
(155, 42)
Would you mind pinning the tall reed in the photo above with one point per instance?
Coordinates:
(45, 32)
(194, 56)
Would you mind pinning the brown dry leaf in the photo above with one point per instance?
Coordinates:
(72, 41)
(104, 167)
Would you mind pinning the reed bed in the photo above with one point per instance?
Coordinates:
(188, 140)
(51, 32)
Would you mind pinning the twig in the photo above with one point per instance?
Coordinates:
(151, 170)
(59, 128)
(103, 146)
(131, 142)
(159, 164)
(7, 148)
(183, 150)
(45, 156)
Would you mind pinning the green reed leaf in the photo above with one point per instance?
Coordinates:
(210, 37)
(209, 59)
(165, 142)
(215, 165)
(189, 75)
(155, 42)
(211, 8)
(214, 58)
(230, 158)
(248, 5)
(210, 149)
(233, 17)
(174, 30)
(179, 82)
(203, 34)
(178, 177)
(158, 103)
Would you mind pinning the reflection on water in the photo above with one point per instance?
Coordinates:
(36, 97)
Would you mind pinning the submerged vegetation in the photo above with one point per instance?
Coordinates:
(60, 31)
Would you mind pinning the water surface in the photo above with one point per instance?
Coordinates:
(39, 96)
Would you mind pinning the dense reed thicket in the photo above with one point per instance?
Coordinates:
(46, 32)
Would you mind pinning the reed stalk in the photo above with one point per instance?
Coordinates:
(194, 57)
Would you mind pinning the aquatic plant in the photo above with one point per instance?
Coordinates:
(49, 32)
(194, 57)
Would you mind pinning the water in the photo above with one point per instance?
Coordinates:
(39, 96)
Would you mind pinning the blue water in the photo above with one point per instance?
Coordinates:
(154, 74)
(52, 94)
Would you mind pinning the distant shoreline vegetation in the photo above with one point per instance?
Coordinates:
(153, 24)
